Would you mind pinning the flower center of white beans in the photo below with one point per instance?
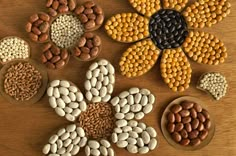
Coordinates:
(66, 30)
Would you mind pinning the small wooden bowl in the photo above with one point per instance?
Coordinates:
(41, 90)
(167, 135)
(8, 37)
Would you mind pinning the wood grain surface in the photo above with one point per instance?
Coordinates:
(24, 129)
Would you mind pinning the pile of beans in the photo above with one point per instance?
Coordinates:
(54, 57)
(168, 29)
(127, 27)
(100, 81)
(13, 48)
(22, 81)
(133, 104)
(175, 69)
(95, 148)
(66, 30)
(205, 48)
(38, 27)
(214, 83)
(206, 13)
(98, 121)
(88, 47)
(188, 123)
(66, 99)
(90, 15)
(147, 8)
(135, 137)
(139, 58)
(174, 4)
(67, 141)
(60, 6)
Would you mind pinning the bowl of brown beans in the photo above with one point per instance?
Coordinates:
(186, 124)
(23, 81)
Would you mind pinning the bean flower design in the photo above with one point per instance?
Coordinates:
(98, 119)
(66, 29)
(168, 31)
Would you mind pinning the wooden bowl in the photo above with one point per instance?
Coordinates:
(41, 90)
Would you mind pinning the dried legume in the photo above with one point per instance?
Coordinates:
(174, 4)
(60, 6)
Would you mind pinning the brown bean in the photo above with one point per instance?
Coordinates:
(55, 5)
(85, 50)
(88, 11)
(76, 52)
(64, 54)
(184, 113)
(43, 37)
(50, 65)
(207, 124)
(176, 108)
(85, 56)
(63, 9)
(200, 127)
(64, 2)
(206, 114)
(203, 134)
(195, 142)
(79, 10)
(47, 47)
(89, 44)
(89, 4)
(55, 50)
(72, 5)
(36, 31)
(179, 127)
(49, 3)
(33, 37)
(195, 124)
(193, 113)
(33, 18)
(90, 25)
(81, 42)
(52, 12)
(201, 117)
(89, 35)
(83, 18)
(60, 64)
(176, 136)
(97, 41)
(94, 52)
(43, 58)
(197, 107)
(186, 119)
(187, 105)
(171, 117)
(55, 59)
(48, 55)
(188, 127)
(170, 127)
(193, 134)
(97, 9)
(178, 117)
(28, 27)
(184, 142)
(184, 133)
(99, 19)
(44, 17)
(92, 16)
(44, 27)
(38, 23)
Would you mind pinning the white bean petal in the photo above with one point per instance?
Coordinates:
(76, 112)
(89, 96)
(130, 99)
(55, 83)
(72, 96)
(125, 109)
(56, 93)
(117, 130)
(61, 150)
(93, 66)
(60, 111)
(139, 115)
(87, 85)
(96, 99)
(105, 143)
(46, 149)
(71, 128)
(152, 132)
(114, 137)
(63, 91)
(53, 139)
(103, 151)
(66, 99)
(146, 137)
(75, 150)
(103, 62)
(151, 98)
(79, 96)
(110, 88)
(103, 91)
(61, 132)
(117, 108)
(50, 91)
(137, 98)
(93, 82)
(129, 116)
(87, 151)
(127, 128)
(89, 74)
(119, 116)
(52, 102)
(73, 89)
(144, 100)
(61, 103)
(111, 152)
(70, 117)
(134, 90)
(65, 84)
(124, 94)
(152, 144)
(83, 142)
(68, 110)
(83, 106)
(122, 144)
(132, 149)
(73, 105)
(80, 131)
(132, 141)
(123, 102)
(123, 136)
(145, 91)
(93, 144)
(106, 98)
(143, 150)
(115, 101)
(54, 148)
(148, 108)
(111, 79)
(121, 123)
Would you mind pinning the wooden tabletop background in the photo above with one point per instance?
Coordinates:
(24, 129)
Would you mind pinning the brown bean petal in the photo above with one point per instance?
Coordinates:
(60, 64)
(171, 117)
(89, 4)
(38, 23)
(178, 117)
(83, 18)
(90, 25)
(43, 37)
(187, 104)
(44, 27)
(97, 41)
(203, 134)
(201, 117)
(200, 127)
(48, 55)
(207, 124)
(64, 54)
(184, 113)
(52, 12)
(76, 51)
(88, 11)
(195, 142)
(44, 17)
(85, 56)
(94, 52)
(81, 42)
(55, 50)
(206, 114)
(33, 37)
(43, 58)
(99, 19)
(89, 44)
(28, 27)
(184, 133)
(55, 5)
(193, 134)
(97, 9)
(179, 127)
(92, 16)
(63, 9)
(186, 119)
(188, 127)
(195, 123)
(55, 59)
(47, 47)
(193, 113)
(50, 65)
(33, 18)
(197, 107)
(72, 5)
(64, 2)
(176, 108)
(79, 10)
(184, 142)
(49, 3)
(170, 127)
(176, 136)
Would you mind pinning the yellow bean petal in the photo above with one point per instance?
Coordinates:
(174, 4)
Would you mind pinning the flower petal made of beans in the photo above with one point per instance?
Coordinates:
(174, 4)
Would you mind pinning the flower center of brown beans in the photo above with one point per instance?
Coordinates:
(98, 121)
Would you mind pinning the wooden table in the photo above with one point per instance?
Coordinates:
(24, 129)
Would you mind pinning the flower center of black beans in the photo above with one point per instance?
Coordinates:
(168, 29)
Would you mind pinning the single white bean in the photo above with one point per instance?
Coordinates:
(114, 137)
(55, 83)
(119, 116)
(71, 128)
(148, 108)
(60, 111)
(152, 144)
(87, 151)
(123, 102)
(123, 136)
(115, 101)
(152, 132)
(68, 110)
(93, 144)
(83, 142)
(121, 123)
(73, 89)
(103, 91)
(65, 84)
(105, 143)
(144, 100)
(124, 94)
(89, 96)
(132, 141)
(63, 91)
(66, 99)
(87, 85)
(54, 148)
(79, 96)
(50, 91)
(80, 131)
(130, 99)
(75, 150)
(73, 105)
(132, 149)
(122, 144)
(146, 137)
(76, 112)
(125, 109)
(129, 116)
(56, 93)
(61, 103)
(137, 98)
(111, 69)
(72, 96)
(61, 132)
(106, 98)
(103, 150)
(143, 150)
(46, 149)
(53, 139)
(52, 102)
(127, 128)
(93, 66)
(139, 115)
(83, 106)
(134, 90)
(70, 117)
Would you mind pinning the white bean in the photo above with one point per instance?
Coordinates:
(96, 72)
(75, 150)
(89, 96)
(93, 82)
(89, 74)
(130, 99)
(103, 91)
(96, 99)
(79, 96)
(111, 79)
(119, 116)
(129, 116)
(152, 132)
(59, 143)
(73, 89)
(76, 140)
(139, 115)
(148, 108)
(63, 91)
(122, 144)
(61, 103)
(99, 85)
(46, 149)
(145, 91)
(144, 100)
(53, 139)
(136, 108)
(61, 131)
(93, 144)
(83, 142)
(110, 88)
(106, 81)
(61, 150)
(87, 85)
(111, 152)
(143, 150)
(140, 142)
(70, 148)
(125, 109)
(152, 144)
(67, 142)
(95, 152)
(68, 110)
(132, 141)
(54, 148)
(73, 105)
(151, 98)
(105, 143)
(123, 136)
(103, 150)
(66, 99)
(137, 98)
(60, 111)
(121, 123)
(118, 130)
(126, 128)
(94, 91)
(70, 117)
(104, 70)
(56, 93)
(50, 91)
(80, 131)
(134, 90)
(55, 83)
(114, 137)
(93, 66)
(76, 112)
(124, 94)
(87, 151)
(103, 62)
(72, 96)
(65, 84)
(133, 134)
(71, 128)
(132, 149)
(115, 101)
(83, 106)
(146, 137)
(123, 102)
(52, 102)
(106, 98)
(133, 123)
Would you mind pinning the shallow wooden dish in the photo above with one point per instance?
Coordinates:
(167, 134)
(41, 91)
